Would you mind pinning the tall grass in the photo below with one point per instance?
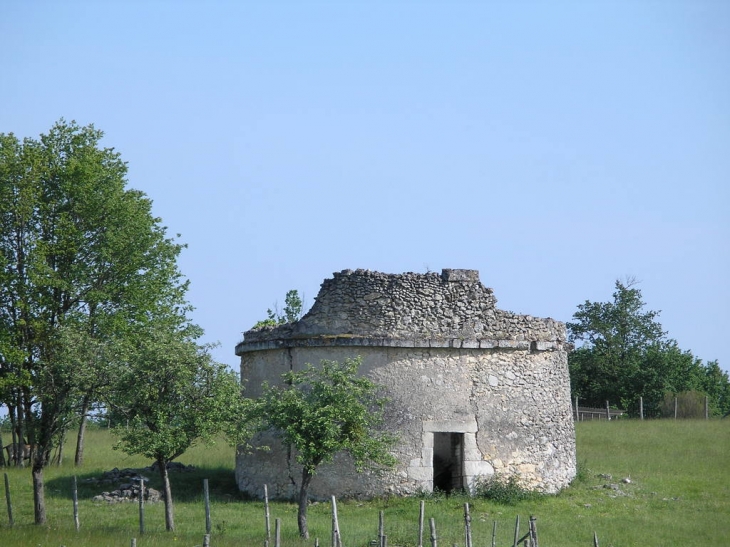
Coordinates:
(679, 494)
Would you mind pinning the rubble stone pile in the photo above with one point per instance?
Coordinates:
(127, 482)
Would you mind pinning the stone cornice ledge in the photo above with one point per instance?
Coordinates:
(361, 341)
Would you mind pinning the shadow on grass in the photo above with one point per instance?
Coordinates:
(186, 485)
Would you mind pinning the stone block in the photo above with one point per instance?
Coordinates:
(474, 468)
(463, 276)
(420, 473)
(468, 425)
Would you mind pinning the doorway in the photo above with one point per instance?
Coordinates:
(448, 462)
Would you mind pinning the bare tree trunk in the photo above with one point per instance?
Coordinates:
(79, 457)
(169, 519)
(59, 450)
(39, 500)
(13, 433)
(2, 452)
(23, 411)
(302, 513)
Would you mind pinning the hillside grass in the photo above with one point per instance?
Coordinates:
(679, 494)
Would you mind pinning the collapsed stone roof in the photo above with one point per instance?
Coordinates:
(447, 309)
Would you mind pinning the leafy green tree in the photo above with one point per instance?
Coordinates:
(293, 307)
(92, 357)
(716, 384)
(322, 411)
(624, 354)
(664, 368)
(614, 337)
(79, 252)
(173, 395)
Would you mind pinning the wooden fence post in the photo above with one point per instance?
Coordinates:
(420, 524)
(133, 543)
(467, 526)
(595, 539)
(266, 513)
(206, 540)
(381, 528)
(608, 411)
(336, 541)
(206, 499)
(494, 534)
(7, 499)
(675, 408)
(576, 408)
(141, 506)
(277, 532)
(707, 408)
(641, 407)
(75, 496)
(434, 539)
(517, 531)
(533, 531)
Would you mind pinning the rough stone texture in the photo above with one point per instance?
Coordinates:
(448, 360)
(128, 486)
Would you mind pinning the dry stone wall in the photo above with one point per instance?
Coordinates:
(485, 389)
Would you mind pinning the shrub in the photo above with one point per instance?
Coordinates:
(503, 490)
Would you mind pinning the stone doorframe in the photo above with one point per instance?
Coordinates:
(420, 470)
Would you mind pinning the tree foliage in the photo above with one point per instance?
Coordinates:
(173, 395)
(81, 256)
(293, 308)
(322, 411)
(623, 354)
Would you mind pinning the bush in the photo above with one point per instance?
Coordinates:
(503, 490)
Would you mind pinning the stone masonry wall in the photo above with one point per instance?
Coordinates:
(453, 304)
(449, 362)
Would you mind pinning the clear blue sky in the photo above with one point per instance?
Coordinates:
(554, 146)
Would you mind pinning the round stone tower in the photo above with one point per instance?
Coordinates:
(473, 390)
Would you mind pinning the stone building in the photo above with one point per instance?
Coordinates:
(473, 390)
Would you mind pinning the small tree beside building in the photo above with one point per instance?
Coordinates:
(322, 411)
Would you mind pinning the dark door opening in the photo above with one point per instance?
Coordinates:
(448, 462)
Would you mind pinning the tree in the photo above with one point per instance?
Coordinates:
(78, 253)
(293, 306)
(716, 384)
(173, 395)
(615, 336)
(93, 357)
(624, 354)
(322, 411)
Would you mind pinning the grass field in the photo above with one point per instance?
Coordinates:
(679, 495)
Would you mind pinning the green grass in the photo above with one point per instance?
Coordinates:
(679, 495)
